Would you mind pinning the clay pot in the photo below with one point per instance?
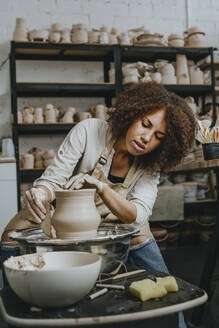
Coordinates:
(19, 116)
(182, 69)
(196, 75)
(156, 77)
(27, 118)
(93, 37)
(66, 36)
(113, 39)
(99, 111)
(79, 116)
(50, 114)
(79, 33)
(125, 39)
(20, 32)
(104, 37)
(175, 40)
(38, 115)
(54, 36)
(57, 27)
(130, 79)
(38, 35)
(28, 161)
(69, 115)
(76, 214)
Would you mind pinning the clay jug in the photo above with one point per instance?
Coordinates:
(76, 214)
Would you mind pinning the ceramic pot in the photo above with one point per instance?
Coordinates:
(20, 116)
(38, 35)
(130, 79)
(27, 118)
(57, 27)
(104, 37)
(182, 72)
(54, 36)
(80, 34)
(79, 116)
(66, 36)
(156, 77)
(99, 111)
(93, 37)
(50, 115)
(196, 75)
(175, 40)
(113, 39)
(69, 115)
(76, 214)
(169, 79)
(28, 161)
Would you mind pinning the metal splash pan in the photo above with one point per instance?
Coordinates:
(107, 232)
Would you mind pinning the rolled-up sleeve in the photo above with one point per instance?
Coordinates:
(143, 194)
(64, 163)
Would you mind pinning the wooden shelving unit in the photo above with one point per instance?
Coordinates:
(86, 52)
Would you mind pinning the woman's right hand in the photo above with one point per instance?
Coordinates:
(35, 202)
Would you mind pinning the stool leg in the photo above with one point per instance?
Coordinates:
(208, 270)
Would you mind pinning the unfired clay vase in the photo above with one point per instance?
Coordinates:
(99, 111)
(196, 75)
(69, 115)
(38, 115)
(28, 161)
(182, 72)
(79, 116)
(20, 116)
(50, 113)
(76, 214)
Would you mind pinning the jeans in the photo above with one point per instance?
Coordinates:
(6, 252)
(148, 256)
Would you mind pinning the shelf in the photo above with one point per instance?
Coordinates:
(24, 129)
(150, 54)
(187, 90)
(201, 203)
(30, 89)
(62, 51)
(99, 52)
(197, 166)
(190, 90)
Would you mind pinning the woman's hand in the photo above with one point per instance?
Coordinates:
(35, 201)
(85, 180)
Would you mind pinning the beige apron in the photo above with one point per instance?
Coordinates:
(20, 221)
(120, 188)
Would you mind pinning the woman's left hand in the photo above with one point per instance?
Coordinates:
(85, 180)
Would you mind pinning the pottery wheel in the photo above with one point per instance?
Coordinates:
(106, 232)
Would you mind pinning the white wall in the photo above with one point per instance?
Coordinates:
(163, 16)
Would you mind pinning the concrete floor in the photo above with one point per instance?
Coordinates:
(186, 263)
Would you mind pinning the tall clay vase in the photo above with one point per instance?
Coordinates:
(76, 214)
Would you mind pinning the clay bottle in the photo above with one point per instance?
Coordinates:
(76, 214)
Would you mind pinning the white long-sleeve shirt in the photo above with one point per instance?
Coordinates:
(80, 152)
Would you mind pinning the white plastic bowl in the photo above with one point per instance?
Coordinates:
(63, 279)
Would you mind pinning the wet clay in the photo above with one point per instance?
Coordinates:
(76, 214)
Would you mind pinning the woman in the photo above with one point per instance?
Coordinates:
(148, 133)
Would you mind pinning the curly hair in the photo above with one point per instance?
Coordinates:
(144, 98)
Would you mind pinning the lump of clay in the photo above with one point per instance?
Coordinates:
(146, 289)
(169, 283)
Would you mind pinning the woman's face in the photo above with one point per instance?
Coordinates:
(146, 133)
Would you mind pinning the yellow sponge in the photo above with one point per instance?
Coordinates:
(169, 283)
(146, 289)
